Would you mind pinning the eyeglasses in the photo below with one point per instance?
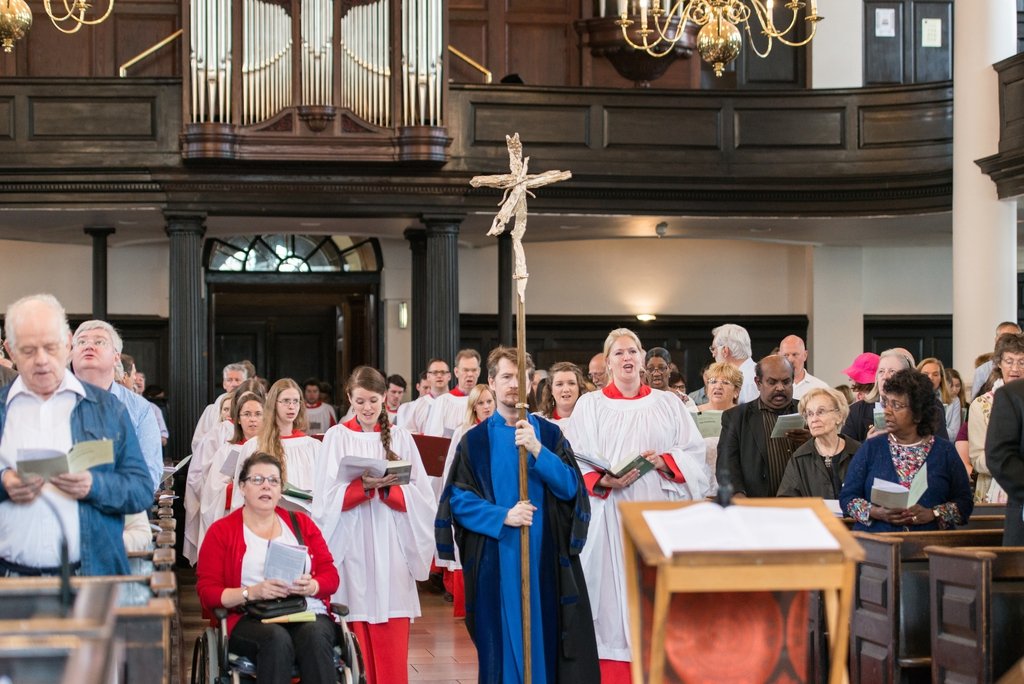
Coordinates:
(258, 480)
(718, 381)
(1012, 363)
(96, 342)
(892, 404)
(820, 413)
(288, 402)
(250, 414)
(659, 371)
(439, 372)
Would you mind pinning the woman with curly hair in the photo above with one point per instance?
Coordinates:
(283, 435)
(380, 532)
(898, 454)
(565, 386)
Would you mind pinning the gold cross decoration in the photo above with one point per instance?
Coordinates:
(516, 185)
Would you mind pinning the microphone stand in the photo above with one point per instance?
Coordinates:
(66, 595)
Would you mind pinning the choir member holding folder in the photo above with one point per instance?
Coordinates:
(380, 532)
(623, 422)
(898, 455)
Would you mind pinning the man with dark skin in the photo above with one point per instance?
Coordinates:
(748, 457)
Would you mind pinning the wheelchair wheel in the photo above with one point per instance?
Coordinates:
(353, 656)
(206, 659)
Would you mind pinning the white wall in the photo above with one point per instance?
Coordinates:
(396, 287)
(138, 277)
(836, 334)
(908, 280)
(837, 51)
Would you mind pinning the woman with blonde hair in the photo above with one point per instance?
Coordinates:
(819, 466)
(722, 385)
(566, 385)
(380, 532)
(282, 435)
(624, 422)
(951, 406)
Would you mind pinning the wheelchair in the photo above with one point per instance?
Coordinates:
(213, 664)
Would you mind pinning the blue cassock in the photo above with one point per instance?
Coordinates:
(488, 518)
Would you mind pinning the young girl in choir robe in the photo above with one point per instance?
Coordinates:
(624, 420)
(247, 420)
(479, 408)
(282, 435)
(198, 468)
(380, 533)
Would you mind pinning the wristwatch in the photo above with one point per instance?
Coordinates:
(245, 594)
(935, 512)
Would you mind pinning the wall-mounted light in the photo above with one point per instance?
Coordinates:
(403, 315)
(646, 318)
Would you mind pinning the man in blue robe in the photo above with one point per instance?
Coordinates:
(481, 503)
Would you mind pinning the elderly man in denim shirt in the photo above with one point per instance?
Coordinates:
(95, 352)
(49, 408)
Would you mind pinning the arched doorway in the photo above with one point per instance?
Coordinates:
(297, 306)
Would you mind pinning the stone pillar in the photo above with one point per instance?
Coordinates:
(417, 238)
(506, 305)
(442, 338)
(836, 334)
(99, 236)
(984, 227)
(187, 393)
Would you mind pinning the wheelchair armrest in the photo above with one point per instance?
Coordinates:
(339, 609)
(220, 613)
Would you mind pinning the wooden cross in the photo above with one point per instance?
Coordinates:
(517, 186)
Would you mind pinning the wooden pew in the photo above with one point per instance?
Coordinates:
(890, 629)
(977, 612)
(59, 659)
(984, 517)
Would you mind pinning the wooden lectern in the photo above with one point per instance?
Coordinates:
(831, 571)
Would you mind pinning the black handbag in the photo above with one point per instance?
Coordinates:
(265, 609)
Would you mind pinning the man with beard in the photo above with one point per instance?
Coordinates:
(748, 457)
(481, 498)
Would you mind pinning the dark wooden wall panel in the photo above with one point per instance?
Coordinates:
(883, 55)
(96, 118)
(51, 53)
(902, 58)
(551, 125)
(933, 63)
(768, 128)
(922, 336)
(904, 125)
(135, 33)
(7, 118)
(703, 129)
(541, 54)
(469, 37)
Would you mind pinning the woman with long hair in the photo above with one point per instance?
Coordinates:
(952, 408)
(282, 435)
(380, 532)
(566, 386)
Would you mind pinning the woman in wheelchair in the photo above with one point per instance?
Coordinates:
(230, 575)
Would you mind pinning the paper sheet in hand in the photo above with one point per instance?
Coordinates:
(353, 467)
(878, 419)
(50, 462)
(834, 507)
(285, 562)
(171, 471)
(790, 421)
(709, 527)
(228, 467)
(709, 423)
(893, 495)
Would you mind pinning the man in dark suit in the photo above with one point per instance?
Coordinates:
(747, 456)
(1004, 455)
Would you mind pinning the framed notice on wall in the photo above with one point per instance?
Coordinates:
(885, 22)
(931, 33)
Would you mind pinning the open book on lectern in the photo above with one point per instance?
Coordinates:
(709, 527)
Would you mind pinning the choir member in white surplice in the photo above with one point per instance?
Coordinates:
(282, 435)
(448, 411)
(565, 388)
(205, 446)
(624, 420)
(415, 419)
(380, 533)
(246, 421)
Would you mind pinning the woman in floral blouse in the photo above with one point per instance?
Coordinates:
(897, 456)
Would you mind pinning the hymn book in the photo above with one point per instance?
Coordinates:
(709, 527)
(49, 463)
(619, 469)
(354, 467)
(285, 562)
(892, 495)
(295, 499)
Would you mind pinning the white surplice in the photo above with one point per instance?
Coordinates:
(447, 413)
(613, 429)
(215, 488)
(198, 471)
(414, 419)
(380, 552)
(301, 453)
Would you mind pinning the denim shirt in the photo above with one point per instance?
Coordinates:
(146, 429)
(117, 489)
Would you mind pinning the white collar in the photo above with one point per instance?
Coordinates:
(69, 384)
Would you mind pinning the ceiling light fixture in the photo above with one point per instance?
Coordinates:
(646, 318)
(16, 18)
(719, 40)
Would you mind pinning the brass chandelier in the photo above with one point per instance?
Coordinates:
(719, 40)
(16, 18)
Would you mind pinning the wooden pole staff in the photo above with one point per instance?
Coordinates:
(517, 185)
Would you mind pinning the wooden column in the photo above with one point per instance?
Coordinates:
(99, 236)
(417, 238)
(187, 393)
(506, 331)
(442, 264)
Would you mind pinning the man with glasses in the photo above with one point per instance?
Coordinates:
(982, 372)
(49, 408)
(596, 371)
(95, 353)
(438, 375)
(748, 457)
(448, 411)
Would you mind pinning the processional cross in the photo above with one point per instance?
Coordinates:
(517, 185)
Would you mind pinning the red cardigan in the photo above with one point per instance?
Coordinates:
(220, 561)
